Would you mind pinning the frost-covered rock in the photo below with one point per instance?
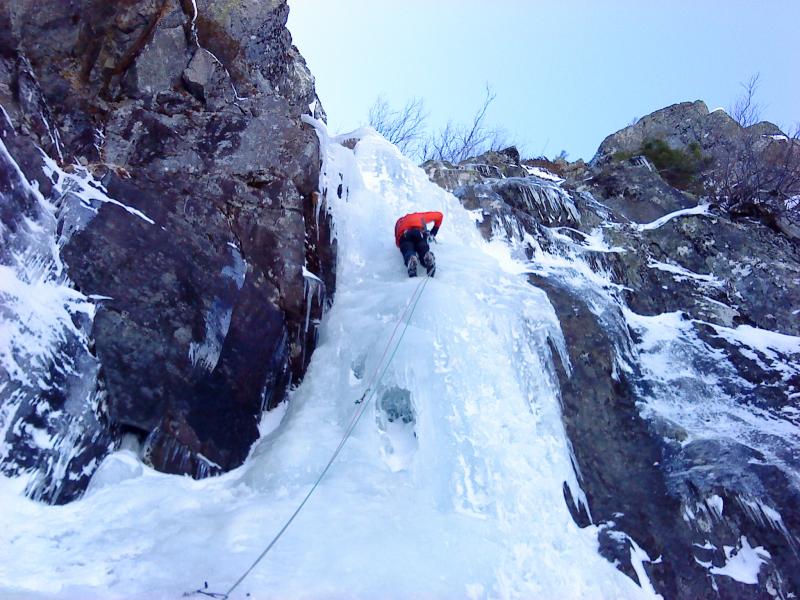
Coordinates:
(680, 324)
(181, 182)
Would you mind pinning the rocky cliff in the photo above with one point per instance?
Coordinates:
(677, 305)
(157, 179)
(164, 261)
(751, 171)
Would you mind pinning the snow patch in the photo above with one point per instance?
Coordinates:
(682, 274)
(743, 562)
(638, 558)
(781, 350)
(543, 174)
(761, 339)
(90, 191)
(702, 209)
(679, 367)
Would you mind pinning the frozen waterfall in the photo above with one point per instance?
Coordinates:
(451, 486)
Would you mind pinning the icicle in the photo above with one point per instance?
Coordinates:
(764, 515)
(313, 287)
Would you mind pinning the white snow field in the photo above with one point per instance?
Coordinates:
(460, 496)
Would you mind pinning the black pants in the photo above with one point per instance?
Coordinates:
(413, 241)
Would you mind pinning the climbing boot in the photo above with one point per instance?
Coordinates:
(413, 263)
(430, 262)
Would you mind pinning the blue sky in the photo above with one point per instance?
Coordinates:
(565, 73)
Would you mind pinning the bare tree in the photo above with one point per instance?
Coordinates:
(405, 128)
(760, 169)
(456, 142)
(758, 174)
(746, 111)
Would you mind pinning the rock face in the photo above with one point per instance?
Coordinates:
(680, 394)
(751, 171)
(163, 260)
(177, 183)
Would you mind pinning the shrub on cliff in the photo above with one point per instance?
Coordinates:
(679, 168)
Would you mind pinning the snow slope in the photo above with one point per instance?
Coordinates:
(459, 496)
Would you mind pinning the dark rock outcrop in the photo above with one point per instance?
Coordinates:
(182, 184)
(670, 456)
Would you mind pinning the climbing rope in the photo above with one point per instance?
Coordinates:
(362, 404)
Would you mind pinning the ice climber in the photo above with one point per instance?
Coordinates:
(411, 236)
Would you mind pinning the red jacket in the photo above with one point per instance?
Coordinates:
(416, 221)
